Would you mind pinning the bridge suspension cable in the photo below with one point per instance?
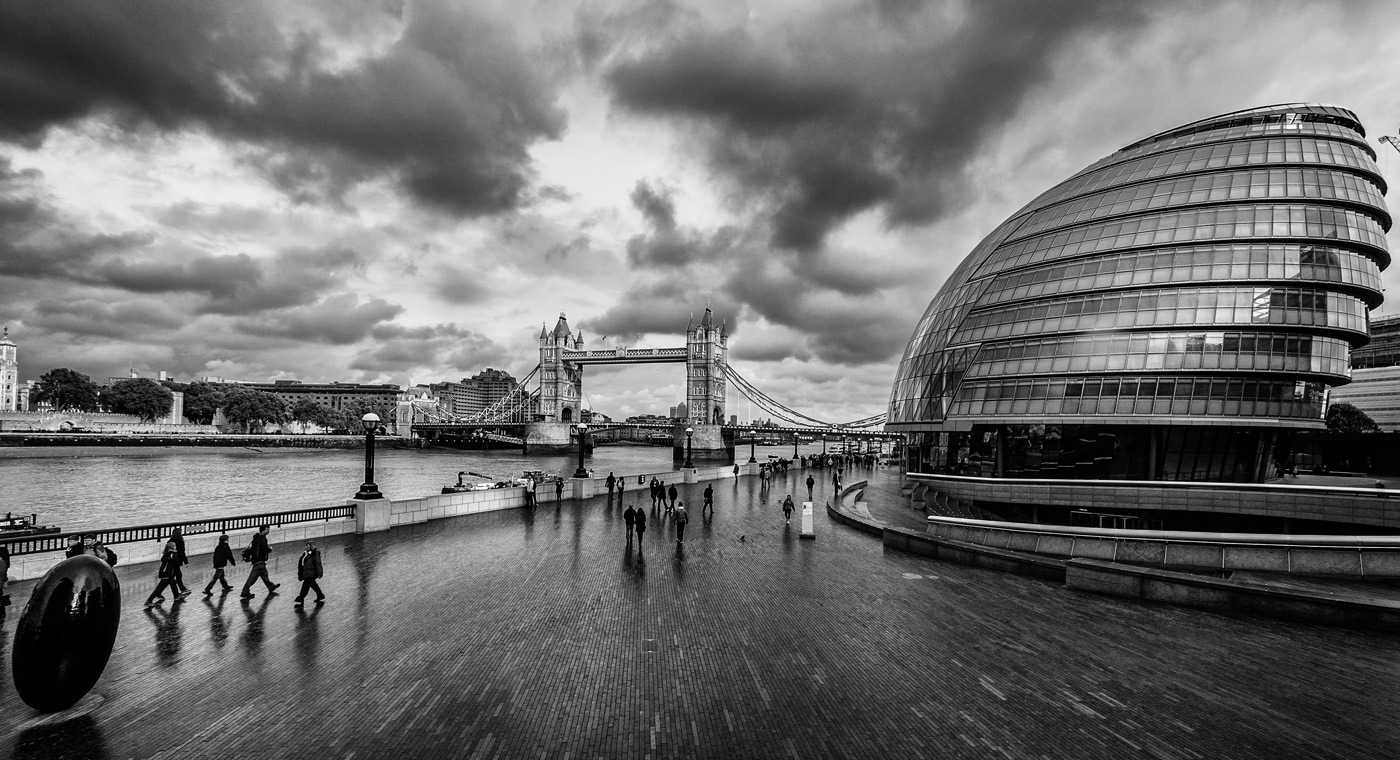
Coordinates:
(777, 409)
(505, 409)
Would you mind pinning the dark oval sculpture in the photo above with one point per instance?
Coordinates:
(66, 633)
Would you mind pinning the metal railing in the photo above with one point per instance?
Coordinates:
(56, 542)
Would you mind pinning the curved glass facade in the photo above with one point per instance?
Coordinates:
(1214, 277)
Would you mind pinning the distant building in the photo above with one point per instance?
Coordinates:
(680, 411)
(1375, 391)
(1384, 348)
(9, 373)
(334, 396)
(474, 394)
(591, 417)
(648, 419)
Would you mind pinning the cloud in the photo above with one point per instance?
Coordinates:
(435, 348)
(442, 98)
(340, 320)
(882, 107)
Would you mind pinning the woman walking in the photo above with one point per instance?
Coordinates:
(308, 570)
(787, 509)
(641, 527)
(168, 562)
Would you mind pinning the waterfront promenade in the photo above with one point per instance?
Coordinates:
(510, 634)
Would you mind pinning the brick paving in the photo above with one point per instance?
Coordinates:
(506, 635)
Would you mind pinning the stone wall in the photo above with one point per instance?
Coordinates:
(1368, 506)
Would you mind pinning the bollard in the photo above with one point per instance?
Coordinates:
(807, 528)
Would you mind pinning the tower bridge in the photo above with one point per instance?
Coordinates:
(549, 416)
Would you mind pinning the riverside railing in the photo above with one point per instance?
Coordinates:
(39, 543)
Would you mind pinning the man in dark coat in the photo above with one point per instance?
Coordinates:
(641, 527)
(223, 557)
(559, 490)
(308, 570)
(709, 501)
(181, 559)
(612, 483)
(810, 482)
(258, 552)
(629, 516)
(671, 492)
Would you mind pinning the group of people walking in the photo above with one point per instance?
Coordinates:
(173, 559)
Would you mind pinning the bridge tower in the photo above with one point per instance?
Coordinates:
(561, 382)
(705, 346)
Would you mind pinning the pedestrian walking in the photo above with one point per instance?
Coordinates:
(4, 577)
(655, 492)
(308, 570)
(629, 516)
(558, 490)
(709, 501)
(671, 492)
(530, 494)
(787, 509)
(621, 486)
(223, 557)
(256, 555)
(640, 527)
(612, 483)
(811, 481)
(681, 520)
(166, 574)
(736, 471)
(181, 559)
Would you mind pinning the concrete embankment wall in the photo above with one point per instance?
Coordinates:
(386, 514)
(159, 439)
(1350, 556)
(1367, 506)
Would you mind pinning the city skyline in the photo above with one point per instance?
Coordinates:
(404, 193)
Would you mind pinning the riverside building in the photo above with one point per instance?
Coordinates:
(1175, 311)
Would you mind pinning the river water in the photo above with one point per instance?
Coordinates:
(80, 488)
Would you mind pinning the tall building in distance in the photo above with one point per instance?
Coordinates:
(1175, 311)
(474, 394)
(9, 373)
(1375, 376)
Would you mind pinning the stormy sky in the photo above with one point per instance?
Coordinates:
(384, 191)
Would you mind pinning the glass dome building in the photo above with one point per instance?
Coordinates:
(1175, 311)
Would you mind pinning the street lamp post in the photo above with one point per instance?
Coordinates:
(368, 490)
(794, 445)
(752, 437)
(689, 431)
(582, 434)
(823, 444)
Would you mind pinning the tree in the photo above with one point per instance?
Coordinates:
(307, 412)
(66, 390)
(249, 407)
(202, 401)
(139, 396)
(1345, 418)
(348, 419)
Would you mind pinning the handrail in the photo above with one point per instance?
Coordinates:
(37, 543)
(1176, 536)
(1181, 484)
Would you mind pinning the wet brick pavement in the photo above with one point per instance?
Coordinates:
(506, 635)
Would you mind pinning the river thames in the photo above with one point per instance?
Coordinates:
(89, 487)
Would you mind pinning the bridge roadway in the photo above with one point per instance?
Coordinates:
(510, 635)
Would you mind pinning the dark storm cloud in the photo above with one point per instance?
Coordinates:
(879, 107)
(338, 320)
(403, 349)
(662, 307)
(89, 317)
(670, 246)
(449, 108)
